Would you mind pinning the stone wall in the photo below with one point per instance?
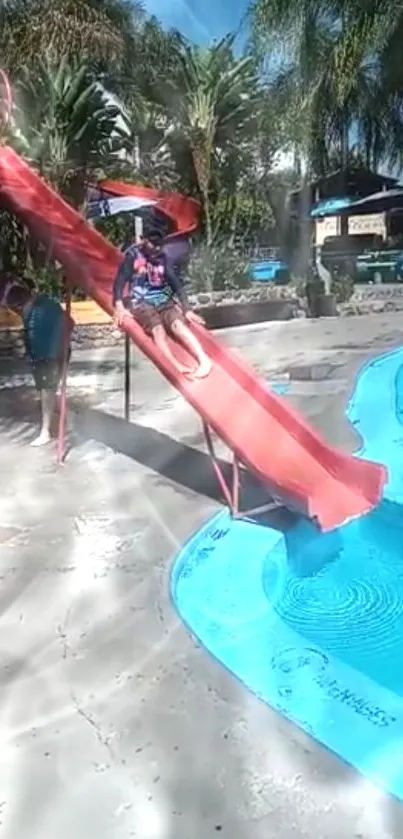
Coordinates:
(373, 300)
(84, 337)
(286, 304)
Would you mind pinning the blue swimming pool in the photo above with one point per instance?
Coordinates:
(313, 623)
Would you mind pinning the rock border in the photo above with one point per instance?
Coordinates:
(234, 307)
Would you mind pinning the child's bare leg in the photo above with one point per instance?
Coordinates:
(191, 343)
(159, 336)
(48, 402)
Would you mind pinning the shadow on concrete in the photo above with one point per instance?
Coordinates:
(175, 461)
(20, 411)
(90, 366)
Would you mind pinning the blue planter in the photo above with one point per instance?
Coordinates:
(269, 272)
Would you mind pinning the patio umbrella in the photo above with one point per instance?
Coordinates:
(105, 207)
(390, 201)
(177, 249)
(332, 207)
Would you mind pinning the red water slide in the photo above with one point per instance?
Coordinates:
(263, 431)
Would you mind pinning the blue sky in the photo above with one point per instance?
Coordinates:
(199, 20)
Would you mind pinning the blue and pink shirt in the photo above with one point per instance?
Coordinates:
(149, 279)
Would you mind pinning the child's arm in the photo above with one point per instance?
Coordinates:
(180, 293)
(177, 288)
(123, 276)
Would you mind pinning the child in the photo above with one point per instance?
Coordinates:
(153, 288)
(44, 322)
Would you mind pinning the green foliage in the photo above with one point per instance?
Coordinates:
(211, 98)
(218, 268)
(48, 280)
(203, 121)
(118, 229)
(339, 85)
(13, 251)
(102, 31)
(189, 119)
(244, 220)
(342, 286)
(63, 123)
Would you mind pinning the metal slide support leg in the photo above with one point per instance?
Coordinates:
(232, 496)
(235, 485)
(127, 378)
(217, 469)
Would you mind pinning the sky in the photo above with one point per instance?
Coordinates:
(200, 20)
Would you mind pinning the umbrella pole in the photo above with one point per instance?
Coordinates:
(127, 384)
(61, 440)
(127, 378)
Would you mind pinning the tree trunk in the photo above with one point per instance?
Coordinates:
(344, 164)
(207, 216)
(201, 154)
(233, 222)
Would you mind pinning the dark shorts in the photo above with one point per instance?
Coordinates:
(151, 316)
(47, 373)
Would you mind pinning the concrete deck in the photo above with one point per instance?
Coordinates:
(114, 723)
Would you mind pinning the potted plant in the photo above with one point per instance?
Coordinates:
(320, 299)
(342, 287)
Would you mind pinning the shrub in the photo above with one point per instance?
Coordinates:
(342, 286)
(219, 268)
(117, 229)
(50, 280)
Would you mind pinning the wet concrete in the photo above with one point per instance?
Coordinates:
(113, 721)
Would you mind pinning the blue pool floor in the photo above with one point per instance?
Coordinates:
(313, 623)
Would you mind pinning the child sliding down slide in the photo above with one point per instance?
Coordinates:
(158, 303)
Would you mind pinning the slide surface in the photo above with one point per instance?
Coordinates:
(267, 434)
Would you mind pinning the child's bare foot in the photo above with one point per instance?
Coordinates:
(184, 369)
(204, 369)
(42, 440)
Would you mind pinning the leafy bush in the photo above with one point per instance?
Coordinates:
(219, 268)
(117, 229)
(51, 280)
(13, 252)
(48, 281)
(342, 286)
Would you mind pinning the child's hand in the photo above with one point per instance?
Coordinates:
(119, 316)
(194, 318)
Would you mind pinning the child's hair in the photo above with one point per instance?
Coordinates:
(18, 296)
(15, 291)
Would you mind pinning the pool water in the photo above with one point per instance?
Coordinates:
(313, 623)
(344, 591)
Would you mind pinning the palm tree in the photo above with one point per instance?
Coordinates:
(337, 76)
(100, 30)
(64, 124)
(144, 135)
(210, 100)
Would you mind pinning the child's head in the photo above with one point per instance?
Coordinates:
(152, 242)
(15, 292)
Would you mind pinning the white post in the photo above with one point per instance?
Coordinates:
(138, 221)
(138, 229)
